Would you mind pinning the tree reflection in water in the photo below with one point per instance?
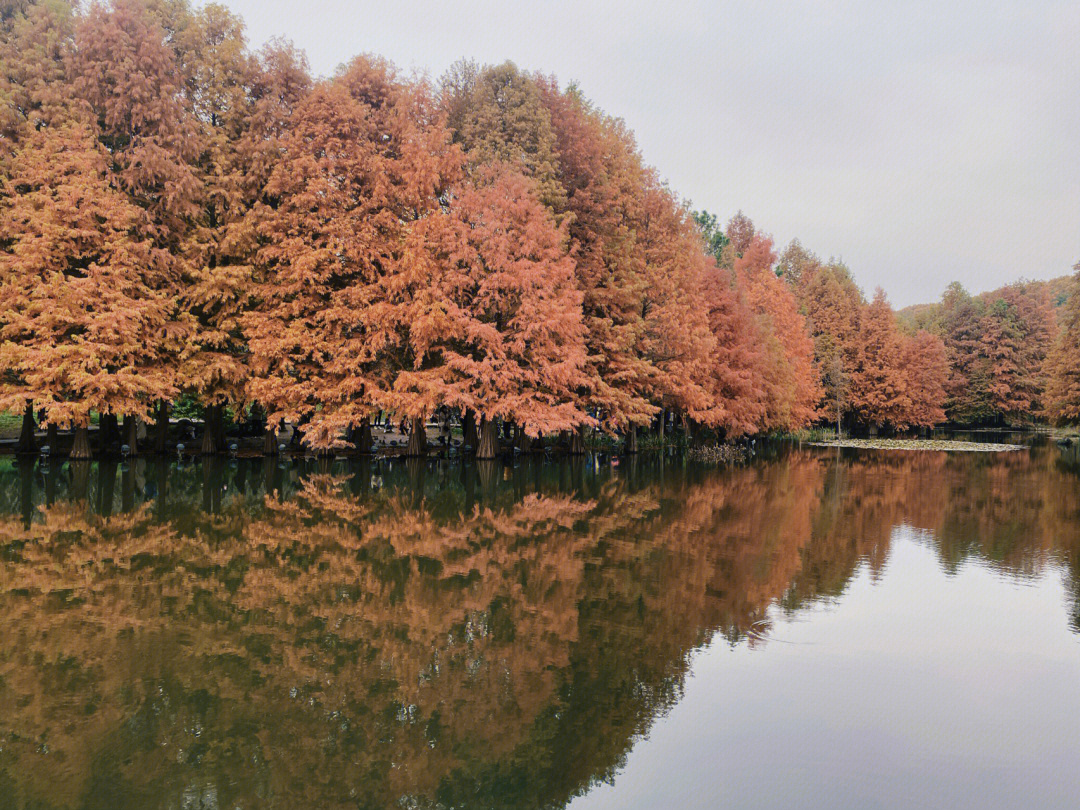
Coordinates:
(332, 634)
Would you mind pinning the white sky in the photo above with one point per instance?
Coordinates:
(921, 142)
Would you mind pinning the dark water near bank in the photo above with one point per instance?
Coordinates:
(828, 629)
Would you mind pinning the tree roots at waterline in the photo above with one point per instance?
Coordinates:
(480, 438)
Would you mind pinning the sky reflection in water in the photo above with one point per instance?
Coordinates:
(817, 629)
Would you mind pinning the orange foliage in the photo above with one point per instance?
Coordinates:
(793, 389)
(605, 183)
(364, 243)
(1063, 363)
(84, 308)
(496, 327)
(334, 275)
(879, 387)
(926, 369)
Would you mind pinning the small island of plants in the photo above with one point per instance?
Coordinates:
(947, 445)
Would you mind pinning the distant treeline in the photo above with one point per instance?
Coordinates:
(1013, 352)
(184, 219)
(1011, 356)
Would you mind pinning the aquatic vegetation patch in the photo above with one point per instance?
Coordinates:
(719, 453)
(948, 445)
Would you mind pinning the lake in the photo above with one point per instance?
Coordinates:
(818, 628)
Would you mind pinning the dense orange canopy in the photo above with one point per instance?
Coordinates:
(497, 327)
(84, 314)
(879, 388)
(183, 217)
(793, 388)
(335, 277)
(1063, 364)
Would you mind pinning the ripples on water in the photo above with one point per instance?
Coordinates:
(352, 634)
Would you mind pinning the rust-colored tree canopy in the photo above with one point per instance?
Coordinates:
(498, 328)
(791, 379)
(186, 221)
(998, 349)
(1063, 362)
(86, 313)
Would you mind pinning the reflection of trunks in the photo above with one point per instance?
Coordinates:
(490, 633)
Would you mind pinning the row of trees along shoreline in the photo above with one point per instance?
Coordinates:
(185, 220)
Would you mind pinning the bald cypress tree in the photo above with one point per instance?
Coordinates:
(84, 312)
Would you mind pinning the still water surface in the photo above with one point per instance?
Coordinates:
(853, 629)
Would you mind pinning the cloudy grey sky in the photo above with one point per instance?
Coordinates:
(921, 142)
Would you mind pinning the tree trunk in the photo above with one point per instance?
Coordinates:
(488, 470)
(211, 487)
(661, 423)
(26, 489)
(161, 487)
(269, 470)
(631, 439)
(524, 441)
(362, 437)
(106, 487)
(127, 488)
(270, 442)
(470, 438)
(50, 484)
(219, 429)
(488, 447)
(108, 431)
(210, 445)
(80, 449)
(417, 438)
(161, 427)
(577, 441)
(415, 469)
(52, 439)
(687, 428)
(80, 475)
(131, 434)
(27, 444)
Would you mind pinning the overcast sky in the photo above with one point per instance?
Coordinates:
(920, 142)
